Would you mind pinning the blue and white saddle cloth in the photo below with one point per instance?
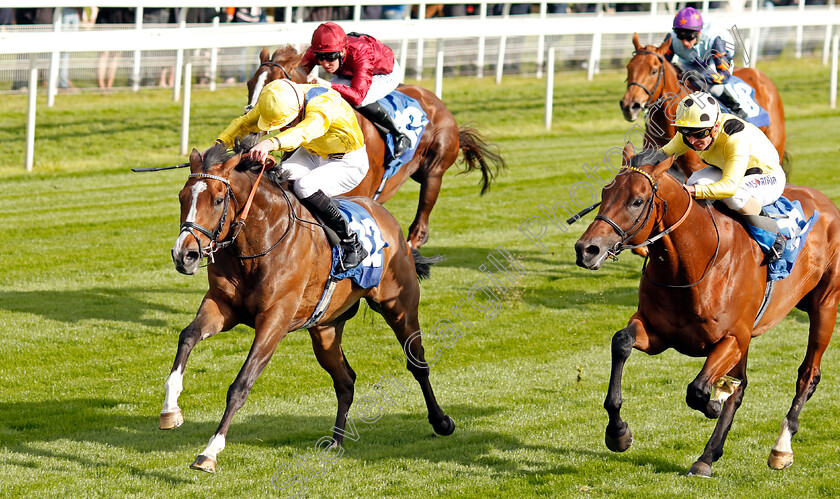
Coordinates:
(793, 225)
(756, 114)
(369, 272)
(411, 120)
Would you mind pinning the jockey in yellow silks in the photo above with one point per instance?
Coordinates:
(745, 173)
(330, 159)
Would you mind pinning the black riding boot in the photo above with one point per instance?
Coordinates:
(379, 116)
(727, 99)
(351, 248)
(763, 221)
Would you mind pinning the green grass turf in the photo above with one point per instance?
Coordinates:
(91, 308)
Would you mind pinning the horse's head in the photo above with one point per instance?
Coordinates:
(629, 209)
(645, 78)
(207, 207)
(282, 64)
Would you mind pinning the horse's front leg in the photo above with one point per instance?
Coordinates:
(714, 447)
(211, 318)
(724, 356)
(269, 330)
(618, 435)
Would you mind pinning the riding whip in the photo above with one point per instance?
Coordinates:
(159, 168)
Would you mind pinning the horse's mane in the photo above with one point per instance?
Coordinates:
(243, 145)
(284, 54)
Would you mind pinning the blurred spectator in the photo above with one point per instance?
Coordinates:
(70, 17)
(7, 16)
(243, 55)
(516, 9)
(394, 11)
(107, 69)
(154, 17)
(29, 16)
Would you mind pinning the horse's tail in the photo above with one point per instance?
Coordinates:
(479, 155)
(787, 164)
(423, 264)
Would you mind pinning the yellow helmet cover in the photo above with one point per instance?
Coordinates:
(697, 110)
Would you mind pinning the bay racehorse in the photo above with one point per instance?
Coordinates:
(269, 272)
(439, 146)
(702, 291)
(656, 85)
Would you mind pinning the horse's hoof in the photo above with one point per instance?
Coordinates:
(620, 443)
(780, 460)
(204, 463)
(171, 420)
(699, 468)
(445, 427)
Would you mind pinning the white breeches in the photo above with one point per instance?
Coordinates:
(312, 173)
(380, 85)
(765, 188)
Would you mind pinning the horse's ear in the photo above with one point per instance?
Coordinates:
(665, 44)
(263, 55)
(627, 154)
(275, 57)
(662, 167)
(195, 159)
(230, 164)
(636, 41)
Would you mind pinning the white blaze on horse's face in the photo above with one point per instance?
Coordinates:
(257, 89)
(196, 189)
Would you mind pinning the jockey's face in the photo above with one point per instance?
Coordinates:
(689, 43)
(330, 66)
(699, 144)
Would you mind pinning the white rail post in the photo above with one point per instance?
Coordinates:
(30, 112)
(482, 41)
(135, 72)
(549, 88)
(541, 41)
(827, 43)
(439, 70)
(55, 58)
(403, 57)
(418, 64)
(500, 57)
(595, 51)
(179, 57)
(835, 54)
(185, 105)
(754, 31)
(800, 31)
(214, 53)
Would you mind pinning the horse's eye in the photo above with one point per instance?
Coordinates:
(653, 71)
(219, 201)
(638, 202)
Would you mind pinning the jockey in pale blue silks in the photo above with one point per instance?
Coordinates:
(706, 50)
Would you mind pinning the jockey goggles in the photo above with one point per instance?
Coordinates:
(327, 56)
(697, 133)
(686, 34)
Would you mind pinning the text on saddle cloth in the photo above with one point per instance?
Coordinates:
(369, 272)
(411, 120)
(745, 94)
(793, 225)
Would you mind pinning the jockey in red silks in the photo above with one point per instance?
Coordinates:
(707, 51)
(365, 72)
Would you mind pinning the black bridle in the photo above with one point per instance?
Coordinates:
(630, 233)
(659, 76)
(216, 245)
(626, 235)
(275, 65)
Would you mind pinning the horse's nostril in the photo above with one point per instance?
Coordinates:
(592, 250)
(636, 105)
(191, 256)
